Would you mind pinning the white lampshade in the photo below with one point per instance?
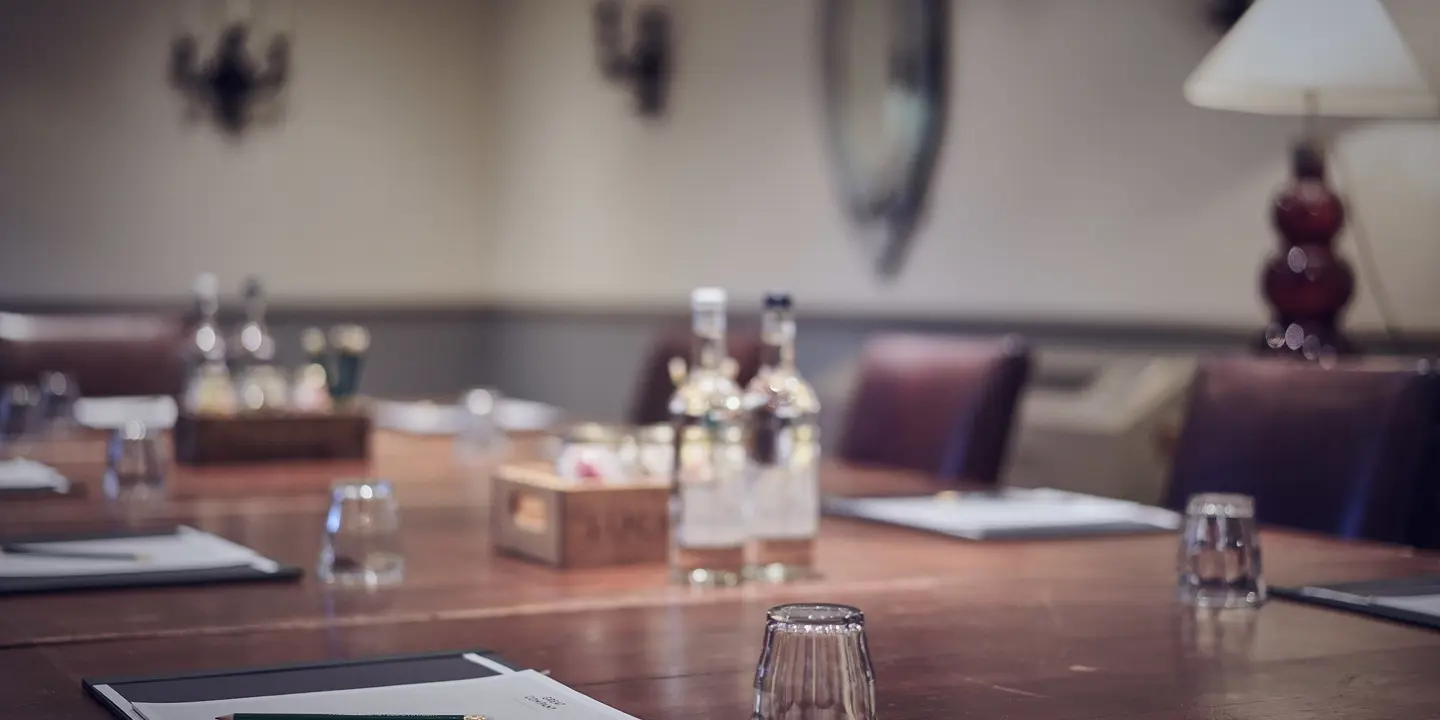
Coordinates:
(1342, 58)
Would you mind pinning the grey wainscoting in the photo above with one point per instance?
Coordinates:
(420, 352)
(415, 351)
(588, 360)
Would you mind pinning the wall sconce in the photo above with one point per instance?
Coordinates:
(1225, 13)
(230, 83)
(646, 67)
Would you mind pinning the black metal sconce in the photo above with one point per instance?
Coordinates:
(646, 67)
(230, 83)
(1225, 13)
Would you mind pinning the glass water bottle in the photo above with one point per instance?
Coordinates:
(784, 455)
(209, 389)
(707, 494)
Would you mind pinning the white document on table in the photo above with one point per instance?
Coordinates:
(1010, 512)
(526, 695)
(1423, 604)
(185, 549)
(426, 418)
(23, 474)
(111, 413)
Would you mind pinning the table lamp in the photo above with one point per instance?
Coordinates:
(1311, 58)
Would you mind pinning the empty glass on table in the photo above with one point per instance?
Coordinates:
(21, 418)
(362, 535)
(479, 439)
(815, 665)
(134, 466)
(58, 394)
(1219, 558)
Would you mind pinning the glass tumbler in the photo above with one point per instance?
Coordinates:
(479, 438)
(20, 418)
(362, 535)
(1219, 558)
(58, 394)
(815, 665)
(134, 470)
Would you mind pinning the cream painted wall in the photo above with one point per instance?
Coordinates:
(1076, 181)
(378, 185)
(468, 149)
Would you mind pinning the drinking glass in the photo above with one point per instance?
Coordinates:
(1219, 559)
(20, 418)
(134, 471)
(362, 535)
(58, 395)
(815, 665)
(479, 437)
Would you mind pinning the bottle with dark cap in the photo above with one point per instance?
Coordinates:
(260, 384)
(784, 450)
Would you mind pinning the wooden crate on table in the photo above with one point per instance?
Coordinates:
(538, 515)
(272, 436)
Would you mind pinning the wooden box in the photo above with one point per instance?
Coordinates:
(271, 436)
(537, 515)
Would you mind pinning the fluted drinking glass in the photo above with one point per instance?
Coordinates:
(479, 438)
(58, 394)
(815, 665)
(134, 468)
(1219, 558)
(362, 535)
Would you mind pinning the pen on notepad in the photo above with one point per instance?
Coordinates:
(71, 554)
(313, 716)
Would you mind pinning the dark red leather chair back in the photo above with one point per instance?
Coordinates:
(1337, 451)
(938, 405)
(107, 355)
(652, 397)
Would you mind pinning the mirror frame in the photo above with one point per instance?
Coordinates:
(897, 210)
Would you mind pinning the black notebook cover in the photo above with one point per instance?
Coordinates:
(116, 694)
(74, 491)
(1361, 597)
(204, 576)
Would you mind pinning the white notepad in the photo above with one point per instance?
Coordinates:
(526, 695)
(426, 418)
(185, 549)
(1013, 512)
(23, 474)
(112, 413)
(1423, 604)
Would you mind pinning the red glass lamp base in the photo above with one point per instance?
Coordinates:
(1306, 284)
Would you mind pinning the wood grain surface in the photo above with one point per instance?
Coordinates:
(1068, 629)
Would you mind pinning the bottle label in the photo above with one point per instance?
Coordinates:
(709, 501)
(785, 497)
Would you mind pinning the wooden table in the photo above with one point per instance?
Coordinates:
(1073, 629)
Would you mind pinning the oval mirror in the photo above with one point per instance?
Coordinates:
(884, 66)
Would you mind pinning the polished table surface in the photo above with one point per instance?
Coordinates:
(1059, 629)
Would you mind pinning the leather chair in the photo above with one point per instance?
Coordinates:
(107, 355)
(1336, 451)
(652, 399)
(938, 405)
(1423, 528)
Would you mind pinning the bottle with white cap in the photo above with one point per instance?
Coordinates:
(207, 344)
(209, 389)
(784, 454)
(253, 343)
(707, 495)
